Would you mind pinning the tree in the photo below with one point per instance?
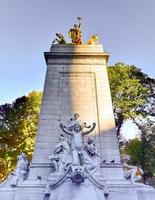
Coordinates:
(18, 128)
(132, 93)
(148, 108)
(142, 149)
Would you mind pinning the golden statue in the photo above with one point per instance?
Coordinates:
(93, 40)
(59, 39)
(75, 33)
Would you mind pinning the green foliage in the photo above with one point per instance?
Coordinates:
(18, 129)
(127, 91)
(142, 150)
(134, 149)
(3, 169)
(148, 107)
(132, 94)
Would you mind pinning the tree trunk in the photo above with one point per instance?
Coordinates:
(119, 124)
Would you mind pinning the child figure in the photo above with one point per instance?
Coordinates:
(77, 140)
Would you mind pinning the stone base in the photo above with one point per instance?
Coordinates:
(132, 195)
(33, 193)
(31, 190)
(130, 192)
(7, 193)
(118, 190)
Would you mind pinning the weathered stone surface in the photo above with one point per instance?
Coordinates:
(77, 82)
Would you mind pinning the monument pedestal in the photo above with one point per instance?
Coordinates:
(77, 82)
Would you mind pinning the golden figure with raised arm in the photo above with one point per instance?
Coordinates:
(75, 33)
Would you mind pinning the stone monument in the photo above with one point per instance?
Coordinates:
(77, 109)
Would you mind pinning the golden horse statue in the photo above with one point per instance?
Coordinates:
(93, 40)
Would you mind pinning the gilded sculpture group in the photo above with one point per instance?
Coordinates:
(75, 35)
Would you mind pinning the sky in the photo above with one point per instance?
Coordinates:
(126, 29)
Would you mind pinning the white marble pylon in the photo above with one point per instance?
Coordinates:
(77, 82)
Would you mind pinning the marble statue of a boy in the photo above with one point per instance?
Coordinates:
(77, 141)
